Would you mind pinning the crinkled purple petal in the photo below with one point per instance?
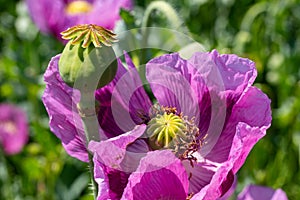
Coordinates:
(170, 79)
(205, 177)
(13, 128)
(254, 192)
(199, 174)
(228, 71)
(253, 108)
(244, 140)
(226, 77)
(111, 182)
(111, 159)
(51, 16)
(231, 190)
(249, 136)
(160, 175)
(112, 152)
(217, 191)
(104, 97)
(60, 101)
(123, 102)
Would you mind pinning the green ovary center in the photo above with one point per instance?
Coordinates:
(77, 7)
(163, 128)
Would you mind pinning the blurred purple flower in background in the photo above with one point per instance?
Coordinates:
(254, 192)
(191, 143)
(55, 16)
(13, 128)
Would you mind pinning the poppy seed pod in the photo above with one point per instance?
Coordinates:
(84, 62)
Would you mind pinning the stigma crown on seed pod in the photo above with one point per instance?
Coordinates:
(168, 129)
(88, 59)
(89, 33)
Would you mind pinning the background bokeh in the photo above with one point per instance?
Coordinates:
(267, 32)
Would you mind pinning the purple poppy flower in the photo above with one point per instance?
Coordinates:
(55, 16)
(13, 129)
(206, 106)
(214, 118)
(254, 192)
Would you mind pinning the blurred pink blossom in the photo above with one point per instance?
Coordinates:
(55, 16)
(13, 128)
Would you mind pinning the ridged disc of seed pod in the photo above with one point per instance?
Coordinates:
(89, 33)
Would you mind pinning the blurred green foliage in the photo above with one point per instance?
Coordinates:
(267, 32)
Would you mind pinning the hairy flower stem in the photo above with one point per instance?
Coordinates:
(5, 177)
(166, 9)
(87, 63)
(88, 115)
(169, 12)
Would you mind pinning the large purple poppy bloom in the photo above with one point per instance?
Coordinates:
(13, 128)
(211, 94)
(255, 192)
(210, 100)
(55, 16)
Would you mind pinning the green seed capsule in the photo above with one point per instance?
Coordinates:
(84, 63)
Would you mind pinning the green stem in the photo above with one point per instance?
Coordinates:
(90, 125)
(94, 184)
(5, 177)
(164, 8)
(168, 11)
(252, 13)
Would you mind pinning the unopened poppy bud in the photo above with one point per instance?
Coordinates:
(88, 61)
